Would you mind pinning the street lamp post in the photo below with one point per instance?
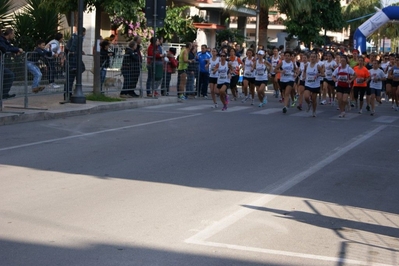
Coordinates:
(78, 96)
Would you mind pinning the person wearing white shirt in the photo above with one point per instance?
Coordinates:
(377, 76)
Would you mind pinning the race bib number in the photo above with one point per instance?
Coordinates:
(359, 80)
(311, 78)
(329, 73)
(343, 78)
(248, 74)
(260, 72)
(288, 73)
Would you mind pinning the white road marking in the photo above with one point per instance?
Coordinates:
(196, 107)
(386, 119)
(96, 132)
(287, 253)
(306, 114)
(162, 106)
(233, 109)
(268, 111)
(272, 193)
(348, 116)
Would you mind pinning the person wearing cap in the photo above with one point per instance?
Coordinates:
(170, 64)
(262, 68)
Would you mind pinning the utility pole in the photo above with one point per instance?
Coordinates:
(78, 96)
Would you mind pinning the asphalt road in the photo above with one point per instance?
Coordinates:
(184, 184)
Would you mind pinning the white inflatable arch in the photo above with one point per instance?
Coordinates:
(372, 24)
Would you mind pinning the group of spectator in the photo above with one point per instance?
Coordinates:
(46, 53)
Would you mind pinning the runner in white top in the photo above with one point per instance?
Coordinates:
(275, 59)
(389, 79)
(249, 76)
(312, 74)
(377, 77)
(328, 85)
(223, 68)
(301, 82)
(262, 67)
(212, 62)
(288, 71)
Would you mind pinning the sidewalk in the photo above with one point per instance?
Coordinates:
(47, 106)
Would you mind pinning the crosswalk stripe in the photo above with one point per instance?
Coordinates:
(306, 114)
(386, 119)
(162, 106)
(267, 111)
(233, 109)
(348, 116)
(196, 107)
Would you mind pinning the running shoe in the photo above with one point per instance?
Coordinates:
(260, 105)
(323, 102)
(372, 113)
(314, 114)
(368, 108)
(308, 109)
(285, 110)
(182, 97)
(215, 106)
(293, 104)
(276, 95)
(245, 99)
(253, 101)
(360, 111)
(296, 97)
(299, 107)
(205, 97)
(224, 108)
(352, 104)
(281, 100)
(265, 100)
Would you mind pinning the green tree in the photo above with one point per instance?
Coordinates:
(291, 8)
(324, 15)
(178, 25)
(5, 16)
(229, 35)
(33, 23)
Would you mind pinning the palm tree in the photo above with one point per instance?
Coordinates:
(358, 12)
(289, 7)
(5, 13)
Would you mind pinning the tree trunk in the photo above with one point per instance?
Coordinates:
(263, 24)
(96, 54)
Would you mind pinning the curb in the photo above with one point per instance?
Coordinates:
(77, 109)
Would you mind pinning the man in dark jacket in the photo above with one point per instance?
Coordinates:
(5, 46)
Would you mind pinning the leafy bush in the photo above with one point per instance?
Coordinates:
(33, 23)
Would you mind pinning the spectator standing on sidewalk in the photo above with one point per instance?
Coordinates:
(158, 56)
(192, 70)
(105, 55)
(72, 49)
(203, 59)
(130, 71)
(55, 49)
(41, 52)
(5, 46)
(170, 66)
(182, 70)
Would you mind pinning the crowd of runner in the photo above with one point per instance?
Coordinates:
(306, 78)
